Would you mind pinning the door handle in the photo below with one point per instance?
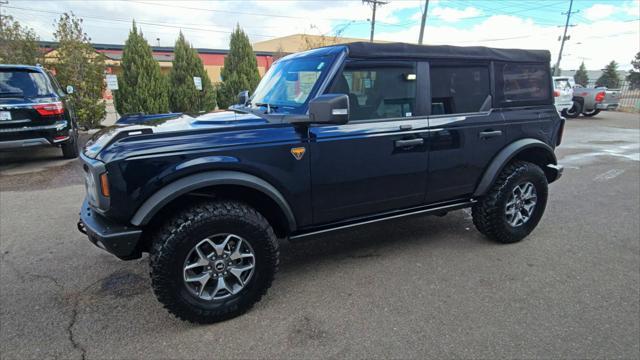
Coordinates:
(487, 134)
(409, 143)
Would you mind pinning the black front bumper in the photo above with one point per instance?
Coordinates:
(120, 240)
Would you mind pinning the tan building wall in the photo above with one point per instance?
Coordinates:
(302, 42)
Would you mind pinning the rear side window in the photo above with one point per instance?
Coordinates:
(459, 89)
(524, 83)
(24, 83)
(378, 91)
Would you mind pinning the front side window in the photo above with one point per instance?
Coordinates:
(287, 86)
(525, 82)
(378, 91)
(459, 89)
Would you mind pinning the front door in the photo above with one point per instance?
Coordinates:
(378, 161)
(465, 133)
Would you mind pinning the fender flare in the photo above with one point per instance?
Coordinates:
(172, 191)
(505, 155)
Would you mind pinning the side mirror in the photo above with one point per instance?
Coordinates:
(243, 97)
(329, 109)
(69, 89)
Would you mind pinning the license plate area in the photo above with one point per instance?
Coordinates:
(5, 115)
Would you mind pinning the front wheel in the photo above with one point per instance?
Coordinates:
(514, 205)
(591, 113)
(213, 261)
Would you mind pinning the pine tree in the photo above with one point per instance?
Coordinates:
(141, 86)
(80, 66)
(581, 77)
(240, 71)
(184, 97)
(634, 74)
(609, 77)
(18, 44)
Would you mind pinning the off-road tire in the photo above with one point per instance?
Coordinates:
(573, 112)
(594, 112)
(174, 240)
(489, 213)
(70, 147)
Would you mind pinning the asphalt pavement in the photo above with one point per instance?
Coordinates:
(420, 287)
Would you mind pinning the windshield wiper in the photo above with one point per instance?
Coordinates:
(269, 106)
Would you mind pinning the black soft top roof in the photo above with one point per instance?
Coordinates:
(402, 50)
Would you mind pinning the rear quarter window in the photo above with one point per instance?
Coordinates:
(523, 84)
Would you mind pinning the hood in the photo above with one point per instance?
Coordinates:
(182, 123)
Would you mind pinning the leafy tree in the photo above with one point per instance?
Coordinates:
(18, 44)
(581, 77)
(141, 86)
(634, 74)
(79, 65)
(240, 71)
(184, 97)
(609, 77)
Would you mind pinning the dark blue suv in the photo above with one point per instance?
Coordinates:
(331, 138)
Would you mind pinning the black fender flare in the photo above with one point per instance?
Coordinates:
(509, 152)
(162, 197)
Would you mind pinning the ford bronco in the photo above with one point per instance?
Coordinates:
(331, 138)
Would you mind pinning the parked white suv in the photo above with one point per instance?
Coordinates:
(563, 94)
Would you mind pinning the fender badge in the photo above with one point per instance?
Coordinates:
(298, 152)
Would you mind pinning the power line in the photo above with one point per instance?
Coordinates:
(166, 25)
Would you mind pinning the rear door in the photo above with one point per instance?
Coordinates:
(378, 161)
(465, 132)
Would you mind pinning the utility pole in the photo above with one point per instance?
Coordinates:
(424, 21)
(373, 17)
(564, 38)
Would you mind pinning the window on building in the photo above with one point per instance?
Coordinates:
(459, 89)
(378, 91)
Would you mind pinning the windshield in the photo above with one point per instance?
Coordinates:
(288, 85)
(24, 83)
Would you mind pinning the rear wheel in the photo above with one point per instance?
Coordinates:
(574, 111)
(591, 113)
(213, 261)
(70, 147)
(514, 205)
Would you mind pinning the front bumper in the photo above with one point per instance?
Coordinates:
(554, 172)
(120, 240)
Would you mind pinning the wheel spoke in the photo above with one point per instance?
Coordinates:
(528, 208)
(238, 271)
(237, 254)
(221, 285)
(219, 248)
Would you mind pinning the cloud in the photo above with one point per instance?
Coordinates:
(596, 43)
(449, 14)
(632, 8)
(599, 11)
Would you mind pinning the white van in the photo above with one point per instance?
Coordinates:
(563, 93)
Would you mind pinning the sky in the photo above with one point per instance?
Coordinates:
(601, 30)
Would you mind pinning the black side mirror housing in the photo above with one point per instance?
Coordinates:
(326, 109)
(243, 97)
